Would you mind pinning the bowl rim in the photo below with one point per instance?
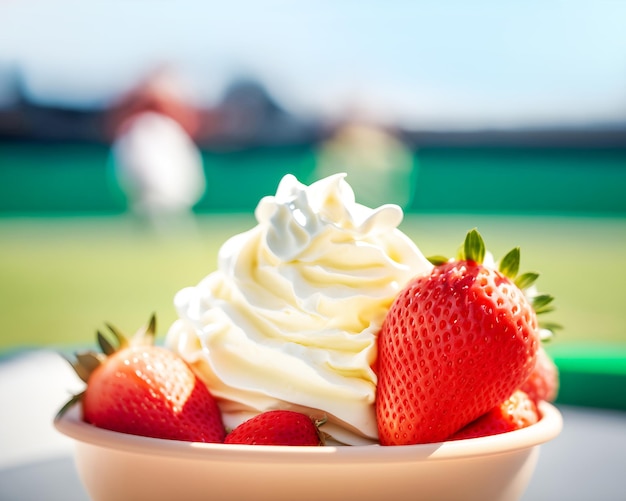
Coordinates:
(70, 423)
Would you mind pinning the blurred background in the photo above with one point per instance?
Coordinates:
(136, 136)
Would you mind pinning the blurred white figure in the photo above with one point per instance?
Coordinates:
(380, 168)
(159, 167)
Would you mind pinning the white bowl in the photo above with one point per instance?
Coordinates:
(116, 466)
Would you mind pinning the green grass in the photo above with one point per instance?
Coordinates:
(62, 278)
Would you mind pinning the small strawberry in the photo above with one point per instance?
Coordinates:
(455, 343)
(516, 412)
(543, 382)
(278, 427)
(146, 390)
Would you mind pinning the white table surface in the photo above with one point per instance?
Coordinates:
(586, 462)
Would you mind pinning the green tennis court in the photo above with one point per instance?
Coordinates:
(62, 277)
(71, 259)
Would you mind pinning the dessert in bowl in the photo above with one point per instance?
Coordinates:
(116, 466)
(424, 372)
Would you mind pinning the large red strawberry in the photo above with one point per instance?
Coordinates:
(516, 412)
(147, 390)
(455, 343)
(277, 427)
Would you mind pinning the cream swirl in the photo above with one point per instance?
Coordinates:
(291, 316)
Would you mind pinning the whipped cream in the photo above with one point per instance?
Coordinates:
(290, 317)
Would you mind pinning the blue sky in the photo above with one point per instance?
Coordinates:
(463, 64)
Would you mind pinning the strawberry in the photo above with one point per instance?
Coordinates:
(455, 343)
(516, 412)
(543, 382)
(278, 427)
(147, 390)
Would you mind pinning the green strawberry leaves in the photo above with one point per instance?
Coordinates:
(509, 265)
(87, 362)
(525, 280)
(105, 345)
(473, 249)
(541, 303)
(437, 260)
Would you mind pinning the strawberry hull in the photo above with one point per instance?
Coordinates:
(117, 466)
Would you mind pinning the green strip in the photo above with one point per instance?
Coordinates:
(588, 358)
(591, 375)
